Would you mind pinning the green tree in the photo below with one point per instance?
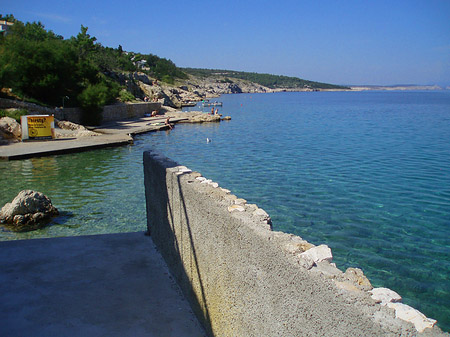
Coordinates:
(93, 98)
(84, 43)
(37, 64)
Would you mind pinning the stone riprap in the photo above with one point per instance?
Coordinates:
(244, 279)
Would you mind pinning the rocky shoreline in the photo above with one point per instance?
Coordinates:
(196, 89)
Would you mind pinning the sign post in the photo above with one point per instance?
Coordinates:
(38, 127)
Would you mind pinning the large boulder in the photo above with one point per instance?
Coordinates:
(28, 209)
(10, 129)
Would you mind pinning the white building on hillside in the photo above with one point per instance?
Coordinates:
(4, 27)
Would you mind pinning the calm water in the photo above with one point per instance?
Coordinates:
(367, 173)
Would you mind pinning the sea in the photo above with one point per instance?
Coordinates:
(366, 173)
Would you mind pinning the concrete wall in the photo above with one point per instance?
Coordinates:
(114, 112)
(242, 278)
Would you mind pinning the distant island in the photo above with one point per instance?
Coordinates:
(396, 87)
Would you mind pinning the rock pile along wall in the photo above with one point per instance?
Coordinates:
(243, 279)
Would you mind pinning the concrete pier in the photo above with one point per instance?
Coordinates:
(115, 133)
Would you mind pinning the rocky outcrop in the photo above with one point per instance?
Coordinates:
(193, 117)
(194, 89)
(138, 76)
(10, 129)
(130, 81)
(218, 85)
(28, 210)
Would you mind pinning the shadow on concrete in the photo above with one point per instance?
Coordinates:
(166, 240)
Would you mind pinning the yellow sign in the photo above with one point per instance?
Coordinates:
(40, 126)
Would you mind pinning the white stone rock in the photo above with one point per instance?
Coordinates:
(213, 184)
(261, 212)
(201, 178)
(230, 197)
(305, 261)
(236, 208)
(240, 201)
(298, 246)
(184, 169)
(409, 314)
(319, 253)
(385, 296)
(251, 207)
(225, 190)
(207, 181)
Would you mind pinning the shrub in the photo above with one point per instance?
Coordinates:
(92, 99)
(168, 79)
(13, 114)
(126, 96)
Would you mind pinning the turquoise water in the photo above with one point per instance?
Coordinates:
(96, 192)
(367, 173)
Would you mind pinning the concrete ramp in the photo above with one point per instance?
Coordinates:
(102, 285)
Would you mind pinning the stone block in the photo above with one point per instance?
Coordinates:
(319, 253)
(385, 296)
(409, 314)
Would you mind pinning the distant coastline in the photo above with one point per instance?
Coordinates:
(397, 87)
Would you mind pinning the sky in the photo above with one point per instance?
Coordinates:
(350, 42)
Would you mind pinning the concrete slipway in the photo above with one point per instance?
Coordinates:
(101, 285)
(111, 134)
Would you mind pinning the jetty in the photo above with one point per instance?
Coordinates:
(110, 134)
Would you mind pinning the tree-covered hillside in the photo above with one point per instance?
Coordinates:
(267, 80)
(41, 66)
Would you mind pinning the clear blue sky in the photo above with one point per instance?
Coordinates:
(342, 42)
